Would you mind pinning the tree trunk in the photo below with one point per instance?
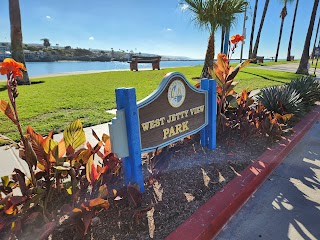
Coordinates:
(283, 15)
(16, 38)
(252, 29)
(208, 62)
(315, 39)
(292, 29)
(223, 32)
(256, 45)
(303, 65)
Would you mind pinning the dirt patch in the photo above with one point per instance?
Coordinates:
(194, 175)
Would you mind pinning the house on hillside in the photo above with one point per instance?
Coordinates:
(35, 56)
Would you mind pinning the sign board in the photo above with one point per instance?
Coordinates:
(173, 111)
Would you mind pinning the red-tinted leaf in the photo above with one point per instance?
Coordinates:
(70, 152)
(66, 208)
(103, 191)
(17, 200)
(97, 147)
(107, 147)
(87, 218)
(134, 196)
(96, 202)
(62, 148)
(95, 135)
(6, 221)
(101, 170)
(6, 109)
(21, 179)
(36, 141)
(31, 218)
(94, 174)
(47, 229)
(30, 153)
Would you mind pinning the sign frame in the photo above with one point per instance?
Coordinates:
(158, 92)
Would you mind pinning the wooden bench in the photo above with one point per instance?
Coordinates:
(260, 59)
(155, 60)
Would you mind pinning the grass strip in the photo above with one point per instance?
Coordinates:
(54, 102)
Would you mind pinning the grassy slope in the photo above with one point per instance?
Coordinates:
(52, 103)
(273, 63)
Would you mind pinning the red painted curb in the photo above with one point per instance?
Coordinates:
(211, 217)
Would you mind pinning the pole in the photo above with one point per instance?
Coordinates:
(315, 68)
(314, 44)
(243, 32)
(226, 41)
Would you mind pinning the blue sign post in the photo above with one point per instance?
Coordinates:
(172, 112)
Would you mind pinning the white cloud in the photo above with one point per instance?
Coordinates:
(169, 29)
(48, 17)
(184, 7)
(91, 38)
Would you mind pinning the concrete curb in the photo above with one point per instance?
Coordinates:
(211, 217)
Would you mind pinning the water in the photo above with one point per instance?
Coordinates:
(44, 68)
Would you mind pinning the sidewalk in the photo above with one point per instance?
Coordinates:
(290, 67)
(287, 206)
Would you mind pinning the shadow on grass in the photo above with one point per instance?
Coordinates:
(4, 88)
(266, 78)
(36, 82)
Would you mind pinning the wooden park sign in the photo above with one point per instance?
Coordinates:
(172, 112)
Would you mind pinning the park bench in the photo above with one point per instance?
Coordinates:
(155, 60)
(259, 59)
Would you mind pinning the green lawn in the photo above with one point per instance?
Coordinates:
(52, 103)
(274, 63)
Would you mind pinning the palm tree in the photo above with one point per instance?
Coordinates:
(46, 42)
(212, 14)
(303, 65)
(252, 29)
(16, 38)
(292, 29)
(256, 45)
(283, 15)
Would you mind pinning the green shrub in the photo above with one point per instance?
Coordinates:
(308, 88)
(282, 100)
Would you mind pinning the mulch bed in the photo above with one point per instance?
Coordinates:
(194, 175)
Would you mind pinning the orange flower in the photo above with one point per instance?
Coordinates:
(237, 38)
(9, 66)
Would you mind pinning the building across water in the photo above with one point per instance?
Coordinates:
(4, 51)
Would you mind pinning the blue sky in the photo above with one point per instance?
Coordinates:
(160, 27)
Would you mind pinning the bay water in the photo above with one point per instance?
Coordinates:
(47, 68)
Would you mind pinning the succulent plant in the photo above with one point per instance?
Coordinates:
(308, 88)
(282, 100)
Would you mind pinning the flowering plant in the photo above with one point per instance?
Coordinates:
(63, 179)
(12, 69)
(225, 74)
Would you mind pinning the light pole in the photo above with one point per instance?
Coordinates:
(315, 40)
(243, 32)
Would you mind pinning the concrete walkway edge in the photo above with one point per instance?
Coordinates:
(211, 217)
